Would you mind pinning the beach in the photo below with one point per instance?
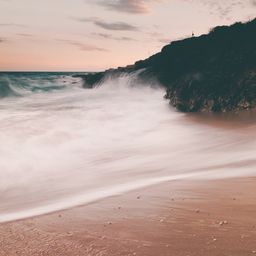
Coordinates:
(79, 178)
(174, 218)
(128, 128)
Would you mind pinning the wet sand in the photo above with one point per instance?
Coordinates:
(177, 218)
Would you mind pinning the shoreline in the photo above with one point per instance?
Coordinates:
(175, 218)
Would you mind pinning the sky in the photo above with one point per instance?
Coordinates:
(93, 35)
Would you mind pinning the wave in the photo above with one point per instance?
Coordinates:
(6, 89)
(23, 84)
(66, 147)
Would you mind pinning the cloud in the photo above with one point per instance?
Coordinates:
(82, 46)
(111, 37)
(25, 35)
(11, 25)
(129, 6)
(225, 8)
(115, 26)
(219, 7)
(123, 26)
(2, 40)
(222, 8)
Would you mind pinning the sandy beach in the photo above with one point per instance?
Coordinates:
(175, 218)
(128, 128)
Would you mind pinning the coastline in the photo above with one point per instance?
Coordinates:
(174, 218)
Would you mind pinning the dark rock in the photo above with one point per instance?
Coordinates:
(214, 72)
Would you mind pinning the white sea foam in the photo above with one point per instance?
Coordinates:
(72, 146)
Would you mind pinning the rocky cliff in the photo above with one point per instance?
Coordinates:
(213, 72)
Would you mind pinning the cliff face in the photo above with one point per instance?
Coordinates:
(214, 72)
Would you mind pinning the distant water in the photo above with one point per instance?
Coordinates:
(62, 145)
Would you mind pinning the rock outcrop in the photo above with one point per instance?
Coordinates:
(213, 72)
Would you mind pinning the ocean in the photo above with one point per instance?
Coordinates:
(62, 145)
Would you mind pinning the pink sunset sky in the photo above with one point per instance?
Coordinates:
(92, 35)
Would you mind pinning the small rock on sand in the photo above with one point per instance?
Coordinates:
(225, 222)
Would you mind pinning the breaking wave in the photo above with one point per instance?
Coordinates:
(63, 145)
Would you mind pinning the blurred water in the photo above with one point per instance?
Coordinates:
(62, 145)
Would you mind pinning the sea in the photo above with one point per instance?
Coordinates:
(63, 145)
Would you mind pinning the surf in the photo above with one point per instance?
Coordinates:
(63, 145)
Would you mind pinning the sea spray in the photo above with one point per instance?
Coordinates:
(63, 145)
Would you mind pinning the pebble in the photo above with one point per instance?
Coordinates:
(197, 210)
(138, 197)
(69, 234)
(225, 222)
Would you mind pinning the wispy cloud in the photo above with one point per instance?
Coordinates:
(83, 46)
(12, 25)
(109, 25)
(217, 7)
(111, 37)
(2, 40)
(224, 8)
(25, 35)
(129, 6)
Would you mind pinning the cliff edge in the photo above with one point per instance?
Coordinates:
(213, 72)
